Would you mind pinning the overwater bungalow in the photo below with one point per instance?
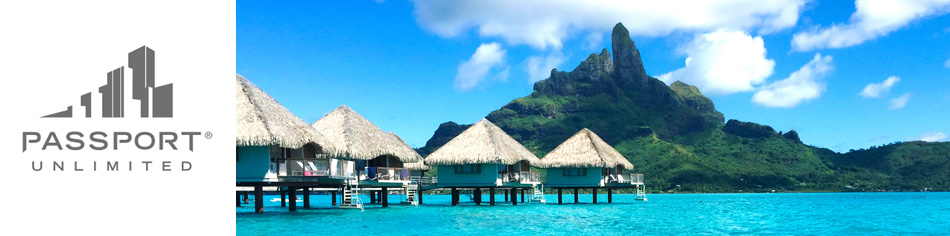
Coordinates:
(379, 157)
(277, 148)
(586, 161)
(484, 156)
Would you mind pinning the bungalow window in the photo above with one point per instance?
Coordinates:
(575, 172)
(468, 169)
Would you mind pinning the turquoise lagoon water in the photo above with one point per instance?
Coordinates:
(663, 214)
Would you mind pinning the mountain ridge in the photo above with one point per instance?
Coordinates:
(676, 137)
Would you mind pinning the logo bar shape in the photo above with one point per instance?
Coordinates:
(142, 63)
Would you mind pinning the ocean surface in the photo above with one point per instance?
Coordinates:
(664, 214)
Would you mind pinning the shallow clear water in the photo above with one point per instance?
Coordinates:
(663, 214)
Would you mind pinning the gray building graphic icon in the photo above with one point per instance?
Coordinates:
(158, 103)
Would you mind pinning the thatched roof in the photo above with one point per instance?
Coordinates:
(483, 143)
(418, 165)
(358, 139)
(261, 121)
(584, 150)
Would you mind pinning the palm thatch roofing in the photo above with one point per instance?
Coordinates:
(584, 150)
(358, 139)
(483, 143)
(419, 165)
(262, 121)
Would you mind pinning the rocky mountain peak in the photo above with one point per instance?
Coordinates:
(629, 66)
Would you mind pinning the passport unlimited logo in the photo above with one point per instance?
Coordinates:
(155, 102)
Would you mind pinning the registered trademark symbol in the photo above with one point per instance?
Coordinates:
(208, 135)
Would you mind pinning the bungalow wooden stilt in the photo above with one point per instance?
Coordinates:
(385, 197)
(610, 195)
(258, 198)
(575, 195)
(455, 197)
(333, 197)
(478, 196)
(293, 199)
(420, 197)
(559, 196)
(594, 191)
(514, 196)
(283, 198)
(306, 198)
(491, 197)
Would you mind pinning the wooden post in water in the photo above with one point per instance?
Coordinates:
(514, 196)
(559, 196)
(245, 196)
(306, 198)
(238, 196)
(333, 198)
(258, 198)
(283, 197)
(420, 196)
(522, 195)
(506, 195)
(293, 199)
(575, 195)
(610, 195)
(594, 191)
(491, 198)
(455, 197)
(478, 196)
(385, 197)
(372, 197)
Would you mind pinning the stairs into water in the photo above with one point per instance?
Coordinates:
(538, 195)
(641, 193)
(411, 190)
(351, 198)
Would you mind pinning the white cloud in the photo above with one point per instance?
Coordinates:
(933, 137)
(899, 102)
(723, 62)
(802, 85)
(872, 19)
(539, 68)
(593, 41)
(947, 64)
(873, 90)
(543, 24)
(479, 66)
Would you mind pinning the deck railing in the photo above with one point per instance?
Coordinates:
(625, 178)
(312, 167)
(428, 181)
(388, 174)
(520, 176)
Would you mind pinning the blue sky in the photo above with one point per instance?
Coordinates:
(845, 75)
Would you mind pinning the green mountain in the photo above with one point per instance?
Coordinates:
(676, 137)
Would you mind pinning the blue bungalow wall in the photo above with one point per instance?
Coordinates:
(556, 178)
(253, 163)
(448, 177)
